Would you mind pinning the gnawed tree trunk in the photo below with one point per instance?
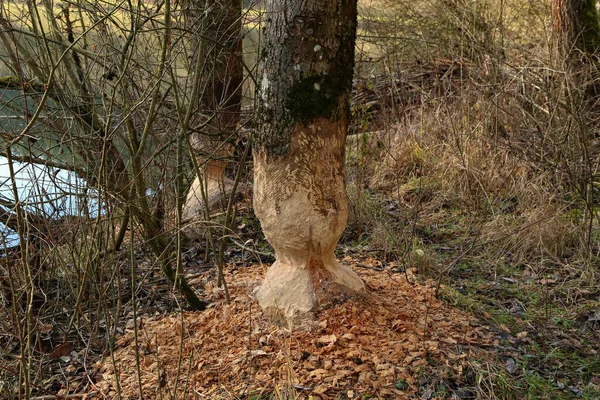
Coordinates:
(299, 188)
(217, 36)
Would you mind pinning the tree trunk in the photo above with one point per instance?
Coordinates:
(577, 34)
(217, 35)
(299, 188)
(576, 25)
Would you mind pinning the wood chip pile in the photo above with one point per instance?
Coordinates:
(384, 347)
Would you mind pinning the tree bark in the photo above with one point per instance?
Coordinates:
(576, 25)
(299, 187)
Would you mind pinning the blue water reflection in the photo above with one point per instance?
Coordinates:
(43, 191)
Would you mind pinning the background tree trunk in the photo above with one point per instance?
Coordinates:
(576, 25)
(216, 34)
(299, 188)
(577, 35)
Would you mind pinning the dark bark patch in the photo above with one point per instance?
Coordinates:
(313, 97)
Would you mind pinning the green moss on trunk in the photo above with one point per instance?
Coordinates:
(314, 97)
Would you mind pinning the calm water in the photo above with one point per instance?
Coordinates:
(44, 191)
(49, 192)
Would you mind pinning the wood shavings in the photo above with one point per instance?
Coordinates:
(356, 348)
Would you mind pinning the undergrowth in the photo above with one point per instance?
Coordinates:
(480, 172)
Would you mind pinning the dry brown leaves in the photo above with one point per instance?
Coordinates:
(229, 351)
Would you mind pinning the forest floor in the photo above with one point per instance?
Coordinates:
(469, 335)
(466, 332)
(401, 341)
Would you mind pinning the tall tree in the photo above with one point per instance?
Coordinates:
(299, 188)
(215, 28)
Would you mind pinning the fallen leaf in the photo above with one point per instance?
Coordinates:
(521, 335)
(327, 339)
(61, 350)
(321, 389)
(511, 365)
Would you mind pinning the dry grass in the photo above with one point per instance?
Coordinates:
(459, 152)
(480, 170)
